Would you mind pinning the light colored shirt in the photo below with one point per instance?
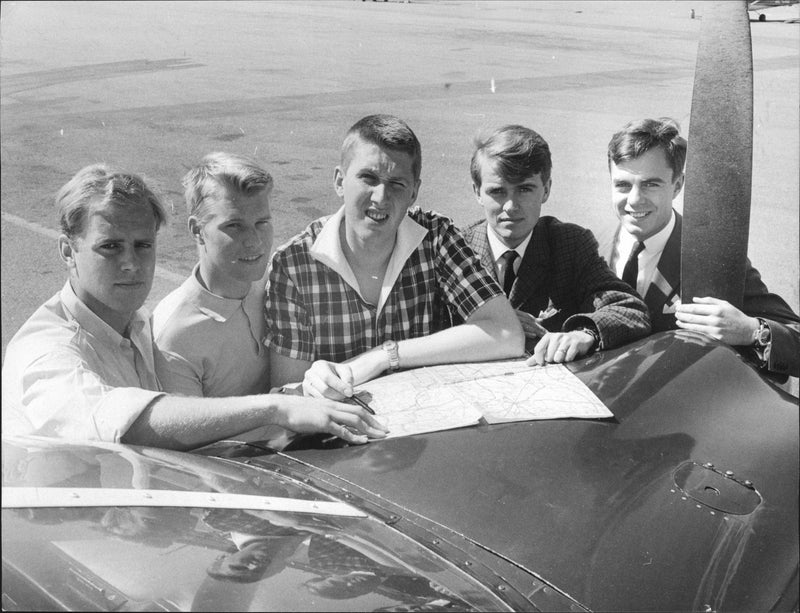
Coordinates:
(499, 249)
(649, 256)
(212, 346)
(68, 374)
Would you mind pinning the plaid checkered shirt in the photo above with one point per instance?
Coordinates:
(313, 313)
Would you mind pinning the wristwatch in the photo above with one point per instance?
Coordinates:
(762, 340)
(390, 347)
(762, 336)
(594, 334)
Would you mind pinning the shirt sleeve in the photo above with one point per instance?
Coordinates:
(62, 397)
(288, 327)
(465, 283)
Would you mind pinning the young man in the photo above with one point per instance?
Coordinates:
(210, 329)
(83, 366)
(369, 288)
(645, 161)
(551, 271)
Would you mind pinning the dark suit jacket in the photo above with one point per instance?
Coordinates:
(662, 295)
(562, 269)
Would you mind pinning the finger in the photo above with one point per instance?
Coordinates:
(327, 382)
(556, 352)
(531, 361)
(540, 350)
(573, 350)
(345, 433)
(696, 309)
(356, 417)
(708, 331)
(708, 300)
(345, 375)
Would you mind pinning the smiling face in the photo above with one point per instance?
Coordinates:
(377, 187)
(642, 191)
(113, 260)
(234, 240)
(512, 209)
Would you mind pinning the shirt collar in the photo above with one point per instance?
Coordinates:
(327, 248)
(498, 248)
(653, 245)
(210, 304)
(94, 325)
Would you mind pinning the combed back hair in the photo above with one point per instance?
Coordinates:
(516, 153)
(237, 172)
(642, 135)
(102, 185)
(386, 131)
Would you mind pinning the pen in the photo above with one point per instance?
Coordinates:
(362, 404)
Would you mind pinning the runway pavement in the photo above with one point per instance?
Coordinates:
(153, 86)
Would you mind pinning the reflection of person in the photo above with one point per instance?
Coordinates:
(83, 366)
(365, 290)
(645, 160)
(554, 266)
(209, 330)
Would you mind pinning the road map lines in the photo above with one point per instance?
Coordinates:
(457, 395)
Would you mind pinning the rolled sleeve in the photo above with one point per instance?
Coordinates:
(61, 397)
(466, 284)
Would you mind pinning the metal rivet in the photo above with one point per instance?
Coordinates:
(698, 506)
(467, 563)
(729, 473)
(501, 588)
(708, 465)
(435, 541)
(748, 483)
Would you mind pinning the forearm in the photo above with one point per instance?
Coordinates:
(178, 422)
(493, 333)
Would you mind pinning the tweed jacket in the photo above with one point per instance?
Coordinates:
(562, 269)
(663, 295)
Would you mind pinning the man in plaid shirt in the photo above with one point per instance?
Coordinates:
(378, 286)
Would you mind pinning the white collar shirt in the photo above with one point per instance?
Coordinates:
(327, 249)
(68, 374)
(648, 258)
(499, 249)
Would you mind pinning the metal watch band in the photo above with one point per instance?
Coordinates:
(390, 347)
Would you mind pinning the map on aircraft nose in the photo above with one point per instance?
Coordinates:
(456, 395)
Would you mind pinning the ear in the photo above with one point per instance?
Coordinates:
(477, 191)
(547, 187)
(195, 230)
(65, 251)
(338, 180)
(416, 192)
(678, 185)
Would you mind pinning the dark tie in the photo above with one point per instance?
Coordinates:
(631, 270)
(510, 257)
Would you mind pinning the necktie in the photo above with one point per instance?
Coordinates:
(510, 257)
(631, 270)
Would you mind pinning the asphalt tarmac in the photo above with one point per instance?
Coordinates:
(153, 86)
